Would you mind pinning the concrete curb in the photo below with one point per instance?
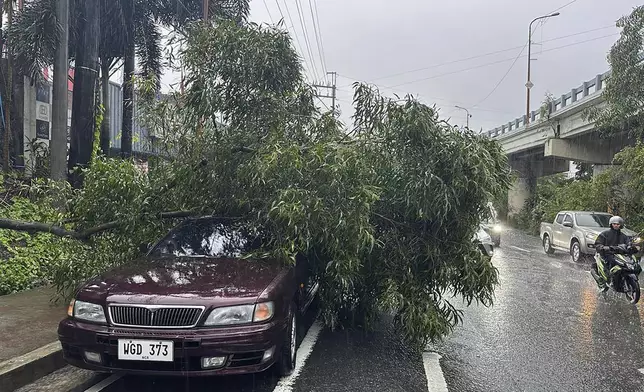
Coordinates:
(25, 369)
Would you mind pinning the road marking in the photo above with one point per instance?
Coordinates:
(434, 373)
(641, 370)
(286, 384)
(521, 249)
(105, 383)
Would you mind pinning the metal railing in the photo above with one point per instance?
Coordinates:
(585, 91)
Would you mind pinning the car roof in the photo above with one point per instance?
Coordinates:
(584, 212)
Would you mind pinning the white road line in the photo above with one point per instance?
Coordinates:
(641, 370)
(286, 384)
(521, 249)
(105, 383)
(434, 373)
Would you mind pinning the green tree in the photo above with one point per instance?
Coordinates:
(623, 94)
(385, 213)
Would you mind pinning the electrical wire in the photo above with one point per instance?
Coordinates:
(502, 61)
(318, 38)
(297, 40)
(487, 54)
(542, 22)
(269, 12)
(307, 42)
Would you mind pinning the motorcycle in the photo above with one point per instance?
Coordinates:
(623, 276)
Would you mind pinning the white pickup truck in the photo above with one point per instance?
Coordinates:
(575, 232)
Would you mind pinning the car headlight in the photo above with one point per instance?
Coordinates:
(240, 314)
(591, 237)
(497, 228)
(86, 311)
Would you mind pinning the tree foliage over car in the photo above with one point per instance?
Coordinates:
(386, 211)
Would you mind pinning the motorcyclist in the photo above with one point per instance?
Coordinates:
(610, 241)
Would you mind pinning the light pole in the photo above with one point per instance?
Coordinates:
(468, 115)
(529, 84)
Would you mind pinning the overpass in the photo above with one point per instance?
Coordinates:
(558, 133)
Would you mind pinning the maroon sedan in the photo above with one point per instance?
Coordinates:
(192, 306)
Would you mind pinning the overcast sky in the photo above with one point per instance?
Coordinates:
(403, 47)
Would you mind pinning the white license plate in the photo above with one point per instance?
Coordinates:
(146, 350)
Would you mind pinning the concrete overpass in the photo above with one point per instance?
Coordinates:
(557, 134)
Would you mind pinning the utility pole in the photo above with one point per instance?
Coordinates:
(331, 85)
(58, 157)
(468, 115)
(529, 83)
(206, 5)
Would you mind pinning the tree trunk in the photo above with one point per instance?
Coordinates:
(128, 82)
(6, 162)
(105, 89)
(59, 109)
(85, 81)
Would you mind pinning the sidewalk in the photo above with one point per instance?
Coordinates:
(29, 347)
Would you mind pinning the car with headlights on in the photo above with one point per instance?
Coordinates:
(483, 241)
(492, 226)
(194, 305)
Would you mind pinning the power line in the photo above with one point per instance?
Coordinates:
(564, 6)
(307, 42)
(487, 54)
(297, 40)
(542, 22)
(269, 12)
(449, 101)
(504, 60)
(318, 38)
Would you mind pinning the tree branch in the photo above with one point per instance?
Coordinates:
(32, 227)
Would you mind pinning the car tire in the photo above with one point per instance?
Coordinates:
(547, 245)
(575, 252)
(288, 355)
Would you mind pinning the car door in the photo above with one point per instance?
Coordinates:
(566, 232)
(308, 285)
(557, 229)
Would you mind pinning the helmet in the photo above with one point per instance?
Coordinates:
(616, 220)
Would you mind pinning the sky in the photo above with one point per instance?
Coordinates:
(459, 52)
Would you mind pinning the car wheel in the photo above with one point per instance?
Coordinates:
(547, 246)
(575, 252)
(288, 356)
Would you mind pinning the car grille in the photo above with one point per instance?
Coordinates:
(155, 316)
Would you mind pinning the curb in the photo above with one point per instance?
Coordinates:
(25, 369)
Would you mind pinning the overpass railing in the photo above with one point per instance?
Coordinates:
(581, 93)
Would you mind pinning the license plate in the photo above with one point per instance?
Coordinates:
(146, 350)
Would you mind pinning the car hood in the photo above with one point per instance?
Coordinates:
(597, 231)
(176, 281)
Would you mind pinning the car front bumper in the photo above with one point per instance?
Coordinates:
(243, 347)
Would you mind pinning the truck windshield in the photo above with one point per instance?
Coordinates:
(592, 220)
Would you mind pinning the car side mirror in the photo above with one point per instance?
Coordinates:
(144, 248)
(567, 224)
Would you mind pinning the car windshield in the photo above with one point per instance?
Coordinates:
(209, 237)
(592, 220)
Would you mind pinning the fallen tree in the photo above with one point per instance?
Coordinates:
(385, 212)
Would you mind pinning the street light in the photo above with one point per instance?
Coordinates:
(529, 84)
(468, 115)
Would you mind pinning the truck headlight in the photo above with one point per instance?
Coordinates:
(240, 314)
(591, 237)
(87, 311)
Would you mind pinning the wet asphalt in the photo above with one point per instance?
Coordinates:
(549, 330)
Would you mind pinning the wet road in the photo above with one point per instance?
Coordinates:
(549, 330)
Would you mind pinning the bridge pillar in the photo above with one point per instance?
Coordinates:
(527, 171)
